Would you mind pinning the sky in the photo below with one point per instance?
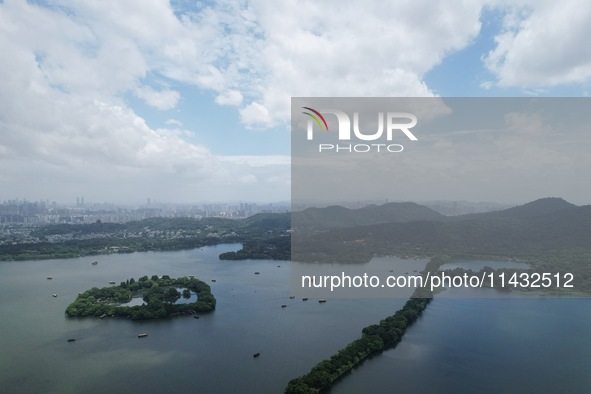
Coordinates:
(509, 150)
(189, 101)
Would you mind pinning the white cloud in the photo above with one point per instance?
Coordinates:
(67, 67)
(308, 48)
(230, 97)
(255, 54)
(256, 114)
(257, 161)
(163, 99)
(64, 128)
(544, 44)
(487, 85)
(174, 122)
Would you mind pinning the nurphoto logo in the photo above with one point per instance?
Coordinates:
(396, 122)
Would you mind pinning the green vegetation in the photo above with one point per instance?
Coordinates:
(339, 217)
(154, 234)
(532, 230)
(276, 248)
(375, 338)
(159, 295)
(549, 234)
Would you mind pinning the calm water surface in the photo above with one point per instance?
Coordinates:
(212, 354)
(458, 346)
(486, 345)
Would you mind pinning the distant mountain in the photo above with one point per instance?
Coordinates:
(541, 206)
(339, 217)
(455, 208)
(544, 227)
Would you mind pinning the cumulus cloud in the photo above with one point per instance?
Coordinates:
(256, 114)
(311, 49)
(68, 66)
(163, 99)
(230, 97)
(543, 44)
(174, 122)
(66, 129)
(255, 54)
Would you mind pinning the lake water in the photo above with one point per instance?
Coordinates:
(213, 354)
(458, 345)
(486, 345)
(477, 265)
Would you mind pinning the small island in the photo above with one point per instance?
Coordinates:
(160, 295)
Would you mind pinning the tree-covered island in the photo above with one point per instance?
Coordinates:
(160, 296)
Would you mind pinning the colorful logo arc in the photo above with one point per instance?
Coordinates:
(315, 116)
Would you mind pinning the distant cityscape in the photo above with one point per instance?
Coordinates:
(22, 211)
(20, 219)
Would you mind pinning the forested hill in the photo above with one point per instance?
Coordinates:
(542, 227)
(339, 217)
(542, 206)
(259, 222)
(265, 233)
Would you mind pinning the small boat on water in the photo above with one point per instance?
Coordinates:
(322, 300)
(112, 282)
(291, 297)
(304, 299)
(71, 340)
(256, 355)
(195, 317)
(94, 262)
(54, 295)
(284, 306)
(257, 273)
(49, 277)
(142, 335)
(213, 280)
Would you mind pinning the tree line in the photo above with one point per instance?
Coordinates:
(375, 339)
